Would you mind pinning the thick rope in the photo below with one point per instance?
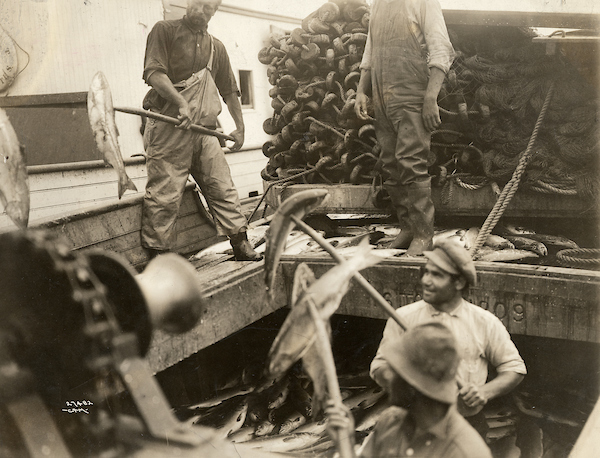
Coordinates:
(511, 187)
(579, 257)
(553, 188)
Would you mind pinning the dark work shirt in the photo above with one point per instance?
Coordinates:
(177, 50)
(396, 435)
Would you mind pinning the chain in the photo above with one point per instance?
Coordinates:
(101, 326)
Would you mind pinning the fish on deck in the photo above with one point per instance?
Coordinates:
(101, 115)
(14, 184)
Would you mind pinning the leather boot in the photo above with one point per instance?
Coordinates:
(397, 196)
(421, 214)
(242, 249)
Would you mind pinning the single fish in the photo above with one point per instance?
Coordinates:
(301, 400)
(365, 399)
(492, 255)
(389, 231)
(314, 365)
(14, 184)
(101, 115)
(526, 243)
(498, 243)
(257, 412)
(445, 233)
(292, 422)
(315, 427)
(265, 428)
(336, 242)
(512, 229)
(298, 243)
(255, 236)
(470, 237)
(218, 248)
(242, 435)
(371, 417)
(281, 443)
(355, 381)
(298, 205)
(298, 331)
(554, 240)
(235, 421)
(279, 395)
(223, 396)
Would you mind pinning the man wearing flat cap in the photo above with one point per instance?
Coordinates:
(422, 420)
(481, 337)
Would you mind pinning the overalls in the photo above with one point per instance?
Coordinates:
(175, 153)
(399, 75)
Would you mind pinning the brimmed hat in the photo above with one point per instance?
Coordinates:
(453, 258)
(426, 357)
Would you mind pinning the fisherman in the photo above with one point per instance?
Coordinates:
(406, 58)
(482, 338)
(188, 68)
(422, 420)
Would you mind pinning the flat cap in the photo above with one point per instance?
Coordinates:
(448, 255)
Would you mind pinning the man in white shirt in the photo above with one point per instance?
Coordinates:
(482, 339)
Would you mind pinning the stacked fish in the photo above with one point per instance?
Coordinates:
(279, 418)
(512, 243)
(314, 71)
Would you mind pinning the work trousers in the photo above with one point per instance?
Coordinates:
(173, 154)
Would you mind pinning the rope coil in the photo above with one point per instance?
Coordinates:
(579, 257)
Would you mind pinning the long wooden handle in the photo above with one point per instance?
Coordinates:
(174, 121)
(343, 439)
(362, 281)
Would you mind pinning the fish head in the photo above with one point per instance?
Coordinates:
(281, 225)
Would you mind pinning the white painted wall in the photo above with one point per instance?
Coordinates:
(63, 43)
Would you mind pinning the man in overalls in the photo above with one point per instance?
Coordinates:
(187, 69)
(406, 57)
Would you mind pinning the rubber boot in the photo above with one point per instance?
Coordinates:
(398, 198)
(421, 213)
(242, 249)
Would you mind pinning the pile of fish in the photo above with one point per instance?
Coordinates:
(279, 418)
(509, 243)
(512, 243)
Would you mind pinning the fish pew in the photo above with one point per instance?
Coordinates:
(538, 301)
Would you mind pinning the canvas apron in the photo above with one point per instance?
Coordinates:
(175, 153)
(399, 75)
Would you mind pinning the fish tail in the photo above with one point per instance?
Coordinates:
(364, 257)
(125, 183)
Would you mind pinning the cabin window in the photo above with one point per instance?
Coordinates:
(246, 88)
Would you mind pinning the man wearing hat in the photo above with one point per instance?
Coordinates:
(482, 339)
(422, 420)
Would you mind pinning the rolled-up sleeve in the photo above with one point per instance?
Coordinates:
(157, 52)
(502, 352)
(365, 63)
(433, 25)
